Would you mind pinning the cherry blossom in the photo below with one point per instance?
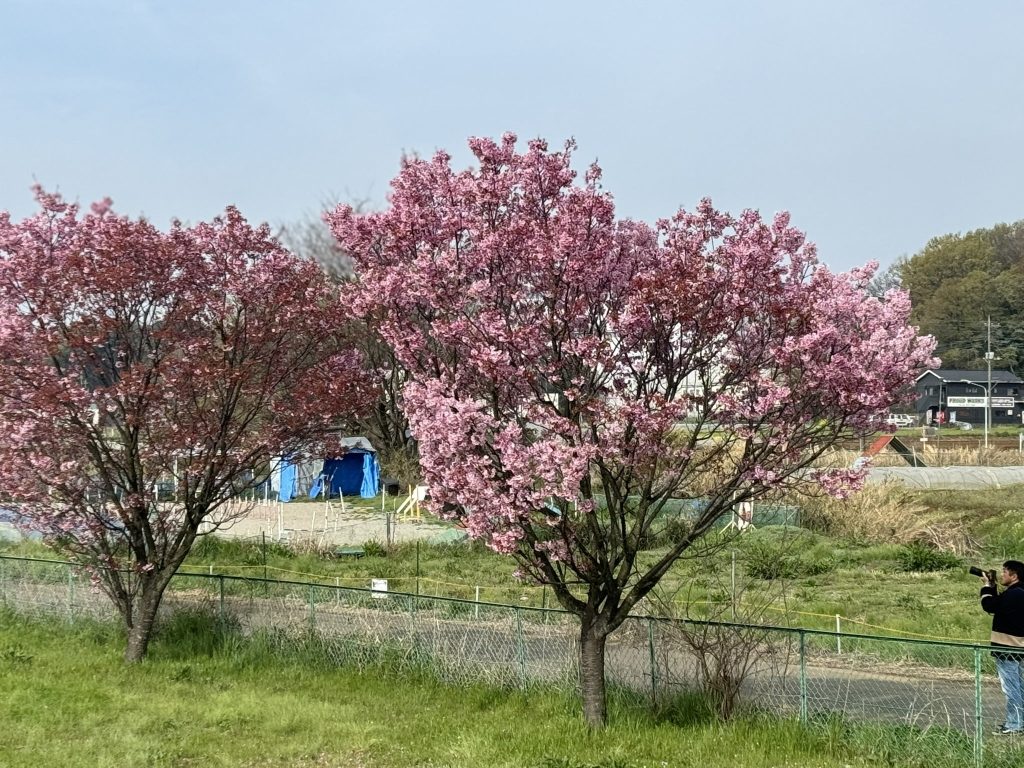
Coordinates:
(131, 357)
(573, 374)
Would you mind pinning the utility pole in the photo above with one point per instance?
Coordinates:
(988, 392)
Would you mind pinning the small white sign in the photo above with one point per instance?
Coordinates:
(379, 588)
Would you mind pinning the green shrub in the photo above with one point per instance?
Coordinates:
(911, 603)
(764, 559)
(675, 531)
(813, 566)
(1003, 535)
(195, 632)
(920, 558)
(374, 548)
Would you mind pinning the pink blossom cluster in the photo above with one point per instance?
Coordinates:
(554, 348)
(840, 483)
(505, 473)
(130, 356)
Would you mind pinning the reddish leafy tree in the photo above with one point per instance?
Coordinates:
(131, 357)
(572, 373)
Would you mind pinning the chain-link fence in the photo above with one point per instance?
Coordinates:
(942, 697)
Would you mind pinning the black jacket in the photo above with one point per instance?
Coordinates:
(1007, 609)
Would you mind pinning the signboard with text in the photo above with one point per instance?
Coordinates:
(979, 402)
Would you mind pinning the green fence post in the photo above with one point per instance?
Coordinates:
(803, 677)
(220, 580)
(263, 551)
(521, 648)
(979, 732)
(415, 631)
(312, 609)
(654, 660)
(71, 594)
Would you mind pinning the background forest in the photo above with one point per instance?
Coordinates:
(956, 282)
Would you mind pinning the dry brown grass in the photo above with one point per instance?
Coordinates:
(398, 464)
(886, 513)
(933, 456)
(961, 457)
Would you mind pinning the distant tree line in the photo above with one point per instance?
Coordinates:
(957, 281)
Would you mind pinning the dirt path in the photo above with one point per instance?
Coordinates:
(336, 524)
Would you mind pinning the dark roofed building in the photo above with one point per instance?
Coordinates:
(948, 394)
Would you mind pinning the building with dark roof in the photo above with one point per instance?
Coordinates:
(951, 394)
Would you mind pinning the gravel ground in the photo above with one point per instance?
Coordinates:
(354, 522)
(335, 523)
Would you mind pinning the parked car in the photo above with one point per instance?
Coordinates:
(900, 420)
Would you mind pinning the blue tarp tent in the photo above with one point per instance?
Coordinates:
(355, 472)
(287, 490)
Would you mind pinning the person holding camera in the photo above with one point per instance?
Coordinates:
(1007, 609)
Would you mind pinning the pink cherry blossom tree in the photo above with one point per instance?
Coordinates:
(571, 374)
(131, 357)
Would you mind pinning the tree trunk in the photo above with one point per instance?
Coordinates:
(592, 685)
(125, 608)
(141, 630)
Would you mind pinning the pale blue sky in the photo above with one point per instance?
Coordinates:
(878, 124)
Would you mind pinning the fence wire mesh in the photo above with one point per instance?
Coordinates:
(942, 697)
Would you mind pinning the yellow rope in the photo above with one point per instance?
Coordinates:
(907, 632)
(832, 616)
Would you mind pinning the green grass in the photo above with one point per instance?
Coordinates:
(868, 586)
(446, 570)
(976, 505)
(217, 700)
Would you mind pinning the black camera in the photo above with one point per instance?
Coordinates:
(976, 571)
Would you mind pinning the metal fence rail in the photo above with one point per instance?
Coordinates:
(942, 696)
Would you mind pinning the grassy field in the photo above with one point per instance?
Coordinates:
(869, 587)
(876, 588)
(211, 699)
